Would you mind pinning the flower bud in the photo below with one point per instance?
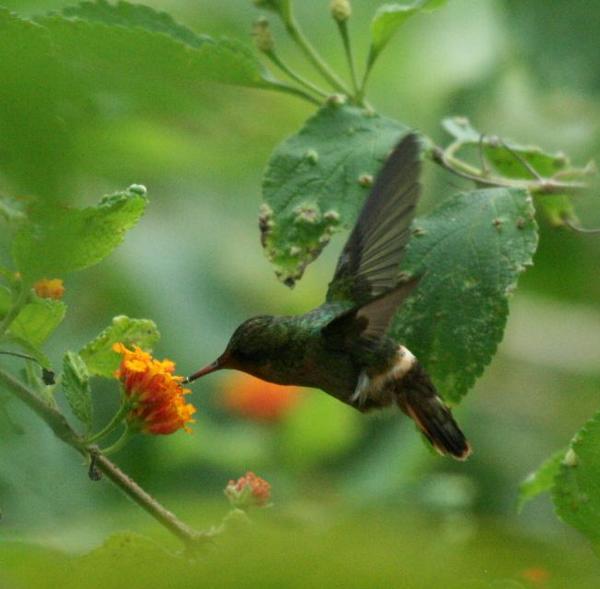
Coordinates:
(340, 10)
(248, 491)
(263, 38)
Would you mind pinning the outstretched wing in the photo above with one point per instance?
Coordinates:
(369, 263)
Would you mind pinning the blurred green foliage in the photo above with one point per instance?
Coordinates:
(358, 500)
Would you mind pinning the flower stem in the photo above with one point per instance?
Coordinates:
(119, 444)
(112, 424)
(311, 54)
(56, 421)
(287, 89)
(343, 28)
(294, 75)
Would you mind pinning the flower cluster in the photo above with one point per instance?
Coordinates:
(259, 400)
(155, 396)
(49, 289)
(248, 491)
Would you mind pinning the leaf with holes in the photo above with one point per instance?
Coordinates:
(469, 252)
(316, 182)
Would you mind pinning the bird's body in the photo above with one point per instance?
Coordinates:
(342, 346)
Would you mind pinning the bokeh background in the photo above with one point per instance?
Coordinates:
(358, 501)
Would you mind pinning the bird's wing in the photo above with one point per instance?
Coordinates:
(369, 263)
(364, 325)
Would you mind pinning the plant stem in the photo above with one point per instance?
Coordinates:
(294, 75)
(343, 28)
(461, 168)
(190, 537)
(311, 54)
(185, 533)
(287, 89)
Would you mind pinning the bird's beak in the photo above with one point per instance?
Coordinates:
(219, 363)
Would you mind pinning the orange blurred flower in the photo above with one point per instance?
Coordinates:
(49, 289)
(536, 575)
(156, 396)
(249, 490)
(257, 399)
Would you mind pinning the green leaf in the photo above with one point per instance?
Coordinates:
(386, 22)
(507, 156)
(126, 36)
(469, 252)
(76, 384)
(37, 320)
(576, 491)
(557, 208)
(316, 182)
(132, 16)
(98, 354)
(390, 17)
(541, 480)
(63, 240)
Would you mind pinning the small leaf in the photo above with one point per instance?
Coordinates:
(469, 252)
(37, 320)
(64, 240)
(386, 22)
(576, 491)
(98, 354)
(557, 208)
(541, 480)
(507, 157)
(316, 182)
(460, 128)
(76, 384)
(390, 17)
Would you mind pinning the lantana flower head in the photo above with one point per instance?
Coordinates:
(156, 396)
(248, 491)
(49, 289)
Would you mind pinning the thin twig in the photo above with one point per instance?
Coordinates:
(59, 425)
(343, 28)
(312, 55)
(578, 228)
(542, 186)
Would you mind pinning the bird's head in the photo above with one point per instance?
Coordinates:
(246, 349)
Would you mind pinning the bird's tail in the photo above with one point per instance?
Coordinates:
(418, 398)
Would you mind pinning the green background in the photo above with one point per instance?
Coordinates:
(358, 501)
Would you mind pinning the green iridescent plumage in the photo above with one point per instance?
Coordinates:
(341, 347)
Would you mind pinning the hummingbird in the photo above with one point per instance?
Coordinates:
(342, 347)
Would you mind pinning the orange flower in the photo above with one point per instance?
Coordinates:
(259, 400)
(536, 575)
(49, 289)
(249, 490)
(156, 396)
